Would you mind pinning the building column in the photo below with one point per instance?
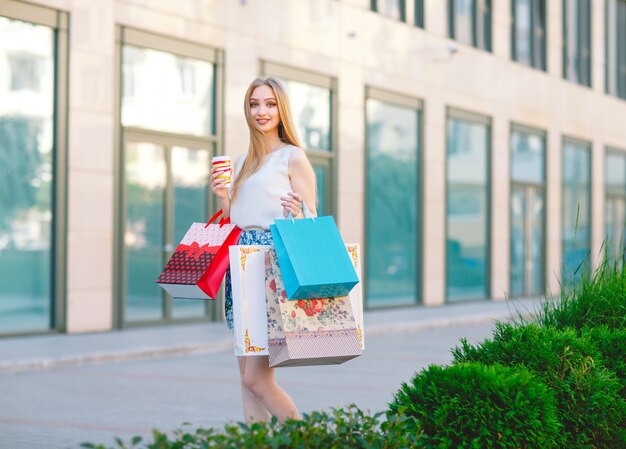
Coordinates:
(499, 176)
(90, 166)
(434, 202)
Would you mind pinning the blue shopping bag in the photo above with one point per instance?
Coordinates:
(312, 258)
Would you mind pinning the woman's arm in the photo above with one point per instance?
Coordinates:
(302, 179)
(218, 186)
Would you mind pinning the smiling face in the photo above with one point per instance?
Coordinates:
(264, 109)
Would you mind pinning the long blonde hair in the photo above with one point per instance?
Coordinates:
(258, 149)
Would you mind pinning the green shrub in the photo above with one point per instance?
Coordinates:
(478, 406)
(595, 300)
(612, 344)
(349, 428)
(587, 394)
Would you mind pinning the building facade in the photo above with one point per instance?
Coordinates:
(475, 148)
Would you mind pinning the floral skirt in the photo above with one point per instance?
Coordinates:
(252, 237)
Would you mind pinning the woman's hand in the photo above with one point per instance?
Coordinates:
(218, 186)
(292, 203)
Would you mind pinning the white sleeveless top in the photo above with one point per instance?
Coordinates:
(258, 202)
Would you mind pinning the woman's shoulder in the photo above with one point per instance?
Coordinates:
(296, 153)
(298, 160)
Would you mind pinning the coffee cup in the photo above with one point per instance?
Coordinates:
(222, 165)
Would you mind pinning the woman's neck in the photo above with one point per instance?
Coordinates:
(273, 144)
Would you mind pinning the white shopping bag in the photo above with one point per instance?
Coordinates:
(356, 294)
(247, 272)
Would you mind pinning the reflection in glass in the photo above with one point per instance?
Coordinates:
(536, 265)
(615, 205)
(528, 157)
(527, 212)
(539, 34)
(616, 47)
(518, 242)
(463, 21)
(529, 30)
(470, 22)
(166, 92)
(391, 8)
(311, 110)
(483, 24)
(190, 174)
(576, 197)
(577, 41)
(523, 31)
(321, 173)
(467, 248)
(27, 53)
(392, 198)
(143, 230)
(616, 172)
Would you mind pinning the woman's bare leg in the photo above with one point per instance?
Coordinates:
(253, 410)
(258, 378)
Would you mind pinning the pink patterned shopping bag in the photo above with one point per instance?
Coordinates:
(321, 331)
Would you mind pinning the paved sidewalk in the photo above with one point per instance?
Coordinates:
(57, 391)
(33, 353)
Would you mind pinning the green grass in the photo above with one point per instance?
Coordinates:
(598, 299)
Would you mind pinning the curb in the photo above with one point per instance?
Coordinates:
(43, 364)
(225, 345)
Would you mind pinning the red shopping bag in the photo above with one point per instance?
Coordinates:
(197, 267)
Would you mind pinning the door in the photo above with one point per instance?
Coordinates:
(165, 190)
(527, 240)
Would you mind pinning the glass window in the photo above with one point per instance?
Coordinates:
(576, 210)
(469, 21)
(615, 202)
(616, 48)
(390, 8)
(168, 138)
(527, 157)
(529, 32)
(392, 203)
(166, 92)
(190, 171)
(577, 41)
(467, 213)
(312, 109)
(144, 233)
(419, 13)
(527, 212)
(27, 167)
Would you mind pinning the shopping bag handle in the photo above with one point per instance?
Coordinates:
(305, 209)
(222, 221)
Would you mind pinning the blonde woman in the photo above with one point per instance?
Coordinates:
(270, 182)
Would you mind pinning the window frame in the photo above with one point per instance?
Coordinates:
(533, 29)
(584, 71)
(417, 104)
(543, 134)
(59, 22)
(402, 7)
(621, 152)
(408, 8)
(482, 119)
(620, 56)
(488, 32)
(214, 143)
(588, 147)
